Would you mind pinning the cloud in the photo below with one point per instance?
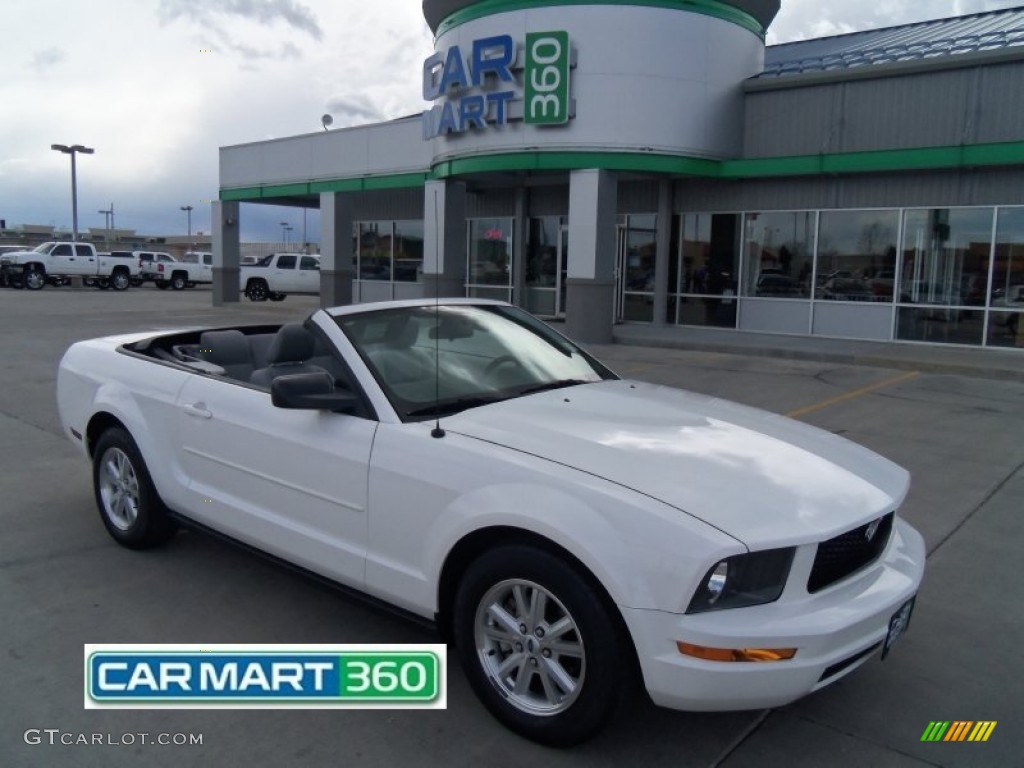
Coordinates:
(347, 110)
(43, 60)
(264, 12)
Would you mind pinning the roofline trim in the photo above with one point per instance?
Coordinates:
(842, 163)
(484, 8)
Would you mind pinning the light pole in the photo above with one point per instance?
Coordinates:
(188, 209)
(108, 216)
(74, 148)
(285, 229)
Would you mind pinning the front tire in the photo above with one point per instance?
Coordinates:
(128, 502)
(178, 282)
(33, 278)
(539, 645)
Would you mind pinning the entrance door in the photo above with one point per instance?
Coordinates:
(547, 261)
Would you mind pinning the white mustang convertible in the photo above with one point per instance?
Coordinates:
(566, 529)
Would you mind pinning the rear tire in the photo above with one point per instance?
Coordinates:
(128, 502)
(278, 296)
(178, 282)
(539, 645)
(120, 280)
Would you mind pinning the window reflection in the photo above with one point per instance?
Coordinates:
(779, 248)
(946, 256)
(374, 250)
(704, 283)
(409, 251)
(490, 257)
(856, 255)
(1005, 326)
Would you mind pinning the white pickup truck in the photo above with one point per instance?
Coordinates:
(279, 274)
(193, 268)
(53, 262)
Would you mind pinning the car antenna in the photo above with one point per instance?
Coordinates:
(437, 431)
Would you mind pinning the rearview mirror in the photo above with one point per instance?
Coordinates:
(311, 391)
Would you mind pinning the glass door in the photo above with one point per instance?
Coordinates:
(546, 260)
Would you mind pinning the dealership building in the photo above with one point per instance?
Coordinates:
(652, 161)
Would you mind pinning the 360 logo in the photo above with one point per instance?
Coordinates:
(547, 78)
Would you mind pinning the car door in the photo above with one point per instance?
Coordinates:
(285, 278)
(309, 275)
(290, 482)
(62, 259)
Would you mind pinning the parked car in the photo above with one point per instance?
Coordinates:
(194, 267)
(776, 284)
(565, 529)
(56, 262)
(846, 289)
(148, 263)
(277, 275)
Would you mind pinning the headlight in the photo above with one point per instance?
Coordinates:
(741, 580)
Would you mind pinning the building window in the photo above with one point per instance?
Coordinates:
(374, 250)
(1005, 326)
(944, 271)
(702, 282)
(779, 249)
(489, 259)
(856, 255)
(408, 257)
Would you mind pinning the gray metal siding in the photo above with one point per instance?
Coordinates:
(490, 202)
(945, 188)
(797, 121)
(387, 204)
(549, 200)
(1001, 104)
(902, 112)
(944, 108)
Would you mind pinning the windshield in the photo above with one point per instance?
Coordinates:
(484, 354)
(44, 248)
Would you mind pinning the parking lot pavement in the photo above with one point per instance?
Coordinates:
(64, 583)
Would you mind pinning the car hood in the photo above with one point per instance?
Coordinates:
(762, 478)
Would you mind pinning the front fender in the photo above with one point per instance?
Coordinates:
(427, 495)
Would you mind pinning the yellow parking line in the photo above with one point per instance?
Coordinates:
(852, 395)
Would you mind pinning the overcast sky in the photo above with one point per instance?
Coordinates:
(156, 86)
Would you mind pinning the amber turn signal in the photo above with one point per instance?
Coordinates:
(735, 654)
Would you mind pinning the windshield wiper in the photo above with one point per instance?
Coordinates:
(449, 407)
(558, 384)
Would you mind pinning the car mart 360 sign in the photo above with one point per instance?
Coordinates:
(478, 87)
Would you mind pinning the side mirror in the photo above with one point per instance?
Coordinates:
(311, 391)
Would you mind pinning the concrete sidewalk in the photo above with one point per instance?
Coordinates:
(1004, 364)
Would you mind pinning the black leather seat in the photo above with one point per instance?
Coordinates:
(228, 349)
(289, 352)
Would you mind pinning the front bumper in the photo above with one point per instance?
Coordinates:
(834, 631)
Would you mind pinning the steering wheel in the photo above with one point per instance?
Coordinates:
(500, 361)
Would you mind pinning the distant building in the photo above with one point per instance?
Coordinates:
(654, 162)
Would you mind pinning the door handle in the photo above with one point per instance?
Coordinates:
(198, 410)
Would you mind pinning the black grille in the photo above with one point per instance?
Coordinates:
(837, 558)
(838, 667)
